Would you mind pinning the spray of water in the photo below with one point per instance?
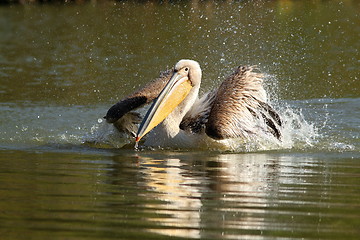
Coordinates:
(104, 135)
(297, 133)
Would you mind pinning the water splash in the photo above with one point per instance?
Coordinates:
(297, 133)
(337, 123)
(104, 135)
(313, 125)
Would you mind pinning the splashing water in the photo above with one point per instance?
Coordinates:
(104, 135)
(308, 125)
(297, 133)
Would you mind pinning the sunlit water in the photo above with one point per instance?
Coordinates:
(66, 174)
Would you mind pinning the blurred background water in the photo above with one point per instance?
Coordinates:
(63, 65)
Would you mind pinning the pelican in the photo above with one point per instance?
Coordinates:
(237, 109)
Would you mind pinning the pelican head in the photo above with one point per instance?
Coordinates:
(185, 79)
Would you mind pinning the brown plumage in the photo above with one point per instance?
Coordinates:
(236, 108)
(140, 97)
(235, 105)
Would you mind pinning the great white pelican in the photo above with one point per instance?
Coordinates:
(237, 110)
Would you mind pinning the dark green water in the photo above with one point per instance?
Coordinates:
(63, 66)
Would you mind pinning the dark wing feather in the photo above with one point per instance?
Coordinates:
(272, 119)
(195, 120)
(142, 96)
(120, 114)
(240, 108)
(128, 123)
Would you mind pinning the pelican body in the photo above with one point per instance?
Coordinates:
(238, 109)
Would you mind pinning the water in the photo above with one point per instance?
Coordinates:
(63, 66)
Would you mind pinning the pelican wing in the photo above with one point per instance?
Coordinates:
(128, 123)
(120, 114)
(195, 120)
(240, 108)
(137, 99)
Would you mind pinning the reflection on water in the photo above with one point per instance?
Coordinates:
(180, 194)
(252, 192)
(197, 194)
(146, 195)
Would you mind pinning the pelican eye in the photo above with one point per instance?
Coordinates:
(186, 69)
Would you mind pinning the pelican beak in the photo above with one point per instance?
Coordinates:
(170, 97)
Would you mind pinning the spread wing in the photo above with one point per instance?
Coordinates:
(240, 108)
(195, 120)
(120, 114)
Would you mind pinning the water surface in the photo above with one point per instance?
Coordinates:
(63, 66)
